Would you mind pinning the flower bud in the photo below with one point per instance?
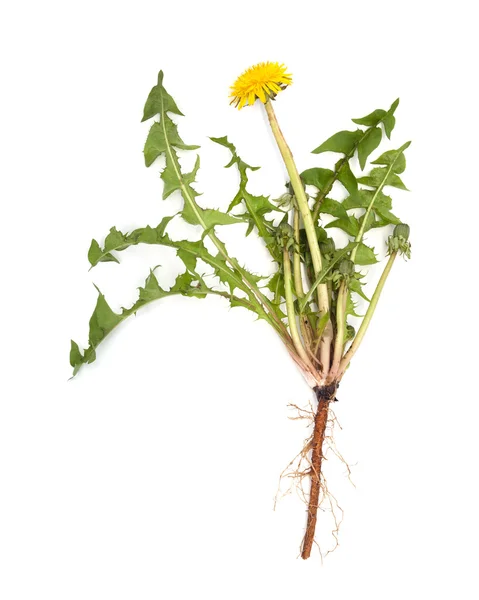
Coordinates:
(284, 235)
(327, 247)
(350, 333)
(285, 201)
(399, 241)
(286, 230)
(402, 230)
(346, 267)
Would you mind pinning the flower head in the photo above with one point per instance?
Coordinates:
(262, 81)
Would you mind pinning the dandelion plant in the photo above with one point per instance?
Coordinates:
(312, 295)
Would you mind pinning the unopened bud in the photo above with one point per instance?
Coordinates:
(284, 235)
(285, 201)
(350, 333)
(327, 247)
(286, 230)
(399, 241)
(402, 230)
(346, 267)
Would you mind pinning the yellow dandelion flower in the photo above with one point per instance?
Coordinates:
(262, 81)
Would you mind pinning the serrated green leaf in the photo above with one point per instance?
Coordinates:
(351, 142)
(343, 142)
(356, 286)
(170, 177)
(276, 286)
(368, 144)
(104, 319)
(235, 301)
(146, 235)
(208, 217)
(242, 166)
(347, 178)
(158, 140)
(349, 225)
(76, 356)
(334, 208)
(389, 123)
(192, 213)
(386, 217)
(158, 100)
(351, 307)
(260, 205)
(376, 178)
(318, 177)
(363, 198)
(372, 119)
(365, 255)
(382, 206)
(187, 251)
(113, 240)
(392, 157)
(389, 120)
(95, 254)
(371, 222)
(256, 206)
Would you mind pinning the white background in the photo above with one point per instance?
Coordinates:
(153, 474)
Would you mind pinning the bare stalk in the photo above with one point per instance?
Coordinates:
(367, 317)
(300, 194)
(298, 280)
(293, 326)
(340, 329)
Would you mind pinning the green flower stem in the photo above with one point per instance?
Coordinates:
(298, 280)
(300, 195)
(293, 327)
(297, 187)
(340, 329)
(304, 321)
(367, 317)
